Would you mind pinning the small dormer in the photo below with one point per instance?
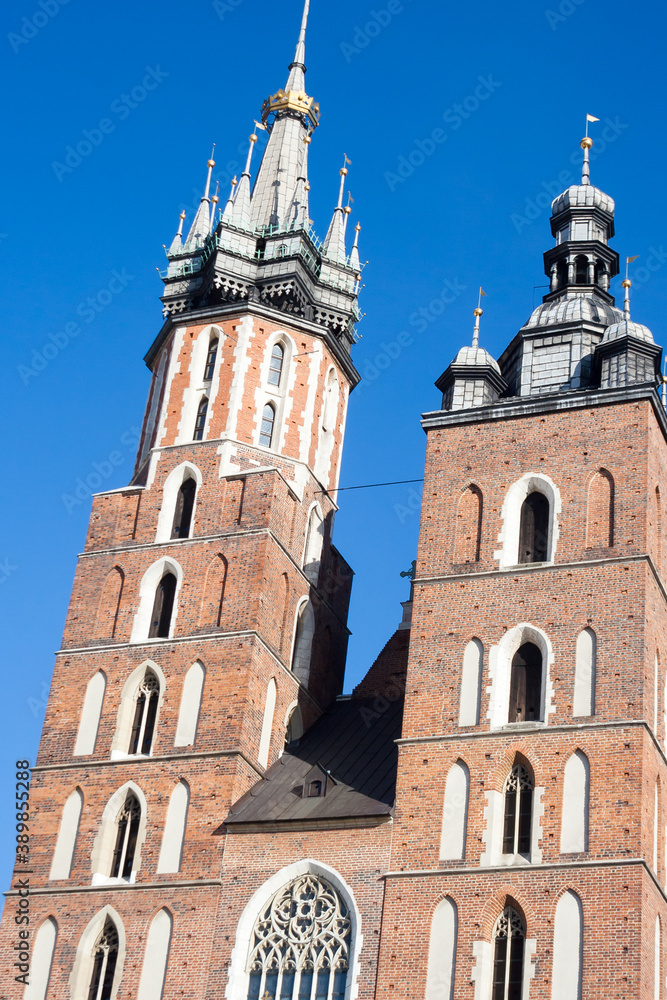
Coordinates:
(317, 783)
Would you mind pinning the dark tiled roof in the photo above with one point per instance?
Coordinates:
(354, 743)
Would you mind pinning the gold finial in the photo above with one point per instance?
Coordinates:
(215, 199)
(343, 171)
(358, 227)
(586, 142)
(211, 164)
(253, 137)
(234, 181)
(183, 216)
(478, 312)
(347, 210)
(306, 186)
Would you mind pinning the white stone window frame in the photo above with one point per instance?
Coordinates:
(198, 388)
(91, 715)
(327, 424)
(105, 841)
(85, 959)
(303, 677)
(156, 955)
(68, 834)
(189, 713)
(494, 823)
(482, 972)
(500, 676)
(280, 396)
(237, 985)
(43, 950)
(147, 589)
(127, 707)
(508, 553)
(172, 485)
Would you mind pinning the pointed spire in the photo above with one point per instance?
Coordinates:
(354, 256)
(177, 242)
(201, 225)
(334, 244)
(297, 79)
(214, 204)
(241, 211)
(229, 207)
(586, 144)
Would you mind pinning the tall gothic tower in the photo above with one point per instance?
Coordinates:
(528, 856)
(207, 623)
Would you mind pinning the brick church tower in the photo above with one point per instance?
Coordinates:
(485, 816)
(528, 856)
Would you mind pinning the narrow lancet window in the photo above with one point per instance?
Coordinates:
(276, 365)
(266, 430)
(210, 360)
(185, 503)
(518, 811)
(526, 685)
(509, 940)
(534, 530)
(200, 422)
(163, 607)
(122, 863)
(145, 714)
(105, 958)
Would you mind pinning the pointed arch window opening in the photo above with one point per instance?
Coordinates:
(518, 819)
(122, 863)
(300, 947)
(267, 426)
(185, 503)
(105, 959)
(163, 608)
(509, 946)
(200, 422)
(211, 359)
(525, 703)
(145, 715)
(276, 365)
(534, 529)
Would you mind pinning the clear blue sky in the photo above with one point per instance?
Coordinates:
(470, 210)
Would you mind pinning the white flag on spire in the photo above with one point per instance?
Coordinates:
(592, 118)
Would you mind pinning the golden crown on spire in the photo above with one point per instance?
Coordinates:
(292, 100)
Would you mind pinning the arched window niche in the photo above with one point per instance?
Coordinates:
(442, 951)
(61, 864)
(322, 896)
(158, 601)
(156, 957)
(138, 712)
(116, 854)
(304, 632)
(312, 553)
(520, 672)
(91, 713)
(513, 812)
(509, 956)
(98, 966)
(529, 523)
(42, 960)
(178, 507)
(568, 948)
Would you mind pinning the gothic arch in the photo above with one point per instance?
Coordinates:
(41, 964)
(471, 683)
(568, 947)
(468, 531)
(214, 592)
(312, 551)
(267, 723)
(156, 956)
(190, 708)
(147, 589)
(441, 971)
(501, 657)
(173, 837)
(172, 485)
(531, 482)
(91, 713)
(68, 831)
(199, 389)
(126, 709)
(110, 603)
(302, 643)
(600, 511)
(104, 843)
(238, 973)
(83, 963)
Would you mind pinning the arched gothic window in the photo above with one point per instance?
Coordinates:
(534, 529)
(518, 811)
(303, 641)
(105, 958)
(509, 940)
(200, 422)
(126, 838)
(145, 714)
(163, 607)
(526, 685)
(268, 422)
(276, 364)
(211, 359)
(300, 947)
(185, 503)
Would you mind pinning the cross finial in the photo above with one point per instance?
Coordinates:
(411, 574)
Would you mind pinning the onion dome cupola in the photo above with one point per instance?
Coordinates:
(627, 353)
(582, 222)
(473, 378)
